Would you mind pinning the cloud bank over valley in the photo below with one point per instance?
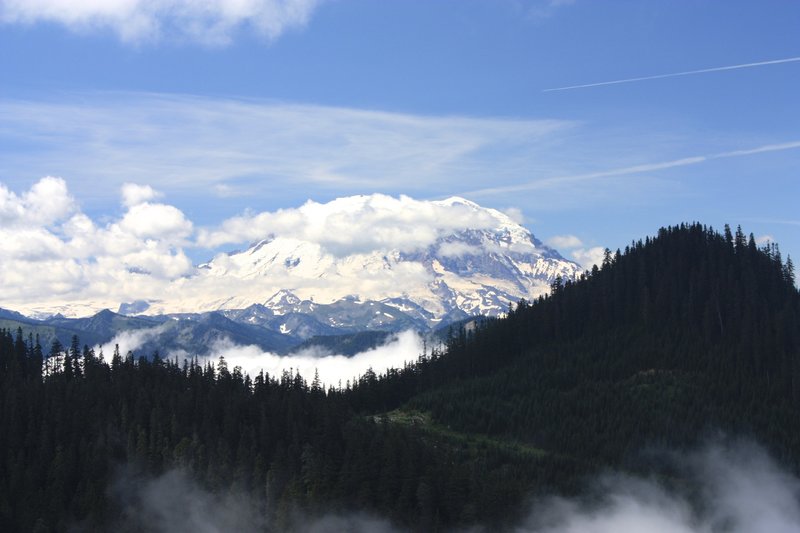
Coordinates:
(333, 369)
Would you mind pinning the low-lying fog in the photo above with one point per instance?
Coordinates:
(729, 489)
(333, 369)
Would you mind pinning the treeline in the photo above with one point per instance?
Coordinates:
(673, 338)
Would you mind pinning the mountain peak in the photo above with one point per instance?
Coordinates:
(282, 302)
(456, 259)
(282, 296)
(458, 200)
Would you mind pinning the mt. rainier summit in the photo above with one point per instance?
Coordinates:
(371, 262)
(466, 260)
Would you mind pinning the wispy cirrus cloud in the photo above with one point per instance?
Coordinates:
(270, 153)
(210, 22)
(231, 147)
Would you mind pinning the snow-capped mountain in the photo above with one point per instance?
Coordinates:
(371, 262)
(460, 273)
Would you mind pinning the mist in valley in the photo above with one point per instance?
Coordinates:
(333, 369)
(731, 487)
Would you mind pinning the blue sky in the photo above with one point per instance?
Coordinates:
(261, 109)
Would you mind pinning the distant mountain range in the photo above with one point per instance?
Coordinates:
(196, 333)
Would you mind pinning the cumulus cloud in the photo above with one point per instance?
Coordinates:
(211, 22)
(333, 369)
(156, 221)
(355, 224)
(54, 252)
(47, 202)
(135, 194)
(588, 257)
(565, 241)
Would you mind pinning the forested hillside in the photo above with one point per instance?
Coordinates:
(676, 338)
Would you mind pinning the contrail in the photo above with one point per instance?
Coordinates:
(676, 74)
(547, 183)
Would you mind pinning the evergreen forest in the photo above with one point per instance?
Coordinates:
(676, 339)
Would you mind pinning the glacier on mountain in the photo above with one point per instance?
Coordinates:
(461, 273)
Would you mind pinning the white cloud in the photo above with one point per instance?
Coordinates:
(333, 369)
(735, 488)
(564, 241)
(130, 341)
(47, 202)
(764, 239)
(211, 22)
(350, 225)
(134, 194)
(515, 214)
(588, 257)
(458, 249)
(156, 221)
(52, 252)
(175, 502)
